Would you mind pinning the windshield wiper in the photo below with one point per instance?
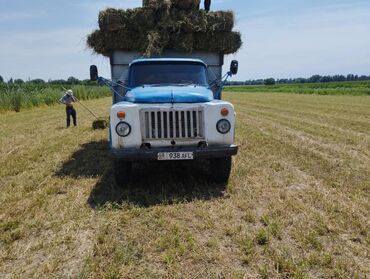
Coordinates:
(170, 84)
(156, 85)
(188, 84)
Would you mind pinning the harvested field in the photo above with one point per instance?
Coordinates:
(297, 204)
(321, 88)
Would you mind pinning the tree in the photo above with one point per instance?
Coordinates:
(58, 81)
(300, 80)
(341, 78)
(350, 77)
(1, 79)
(73, 80)
(258, 82)
(315, 78)
(283, 81)
(37, 81)
(10, 81)
(269, 81)
(18, 81)
(326, 79)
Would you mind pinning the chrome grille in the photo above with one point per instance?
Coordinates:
(172, 124)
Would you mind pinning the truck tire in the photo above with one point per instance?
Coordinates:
(122, 172)
(219, 169)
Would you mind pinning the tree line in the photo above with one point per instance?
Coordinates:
(312, 79)
(69, 81)
(268, 81)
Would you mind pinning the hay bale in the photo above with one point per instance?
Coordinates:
(181, 42)
(167, 4)
(100, 124)
(186, 4)
(156, 43)
(96, 42)
(158, 4)
(125, 40)
(131, 19)
(224, 42)
(105, 42)
(143, 19)
(200, 21)
(219, 21)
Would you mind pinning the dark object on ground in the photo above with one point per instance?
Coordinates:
(100, 123)
(162, 25)
(207, 5)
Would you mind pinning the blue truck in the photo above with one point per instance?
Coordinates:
(170, 109)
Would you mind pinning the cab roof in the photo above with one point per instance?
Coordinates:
(146, 60)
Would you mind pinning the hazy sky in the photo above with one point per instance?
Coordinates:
(286, 38)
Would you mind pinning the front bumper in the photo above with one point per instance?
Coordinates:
(152, 154)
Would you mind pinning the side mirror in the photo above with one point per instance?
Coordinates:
(234, 67)
(93, 73)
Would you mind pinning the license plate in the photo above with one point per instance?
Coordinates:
(175, 156)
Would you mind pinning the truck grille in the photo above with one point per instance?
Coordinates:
(172, 124)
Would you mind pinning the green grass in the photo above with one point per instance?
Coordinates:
(329, 88)
(17, 97)
(296, 206)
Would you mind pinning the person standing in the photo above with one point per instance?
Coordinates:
(207, 5)
(68, 99)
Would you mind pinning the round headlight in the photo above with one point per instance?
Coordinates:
(123, 129)
(223, 126)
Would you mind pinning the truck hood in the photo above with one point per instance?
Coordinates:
(169, 94)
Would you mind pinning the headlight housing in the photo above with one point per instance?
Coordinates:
(223, 126)
(123, 129)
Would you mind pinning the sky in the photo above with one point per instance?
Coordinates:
(282, 39)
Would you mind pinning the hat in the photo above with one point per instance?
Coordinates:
(69, 92)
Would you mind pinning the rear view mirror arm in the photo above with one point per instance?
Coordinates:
(222, 81)
(234, 65)
(111, 84)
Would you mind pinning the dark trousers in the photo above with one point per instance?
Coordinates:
(71, 112)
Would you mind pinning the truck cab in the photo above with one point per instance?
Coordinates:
(167, 109)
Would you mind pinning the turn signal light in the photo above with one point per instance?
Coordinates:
(121, 114)
(224, 112)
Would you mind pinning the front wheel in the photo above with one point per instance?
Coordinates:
(122, 172)
(220, 169)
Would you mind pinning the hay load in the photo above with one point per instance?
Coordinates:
(130, 19)
(186, 4)
(177, 4)
(144, 19)
(165, 24)
(157, 4)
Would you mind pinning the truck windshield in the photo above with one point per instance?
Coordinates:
(168, 73)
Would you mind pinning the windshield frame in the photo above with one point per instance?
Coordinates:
(168, 62)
